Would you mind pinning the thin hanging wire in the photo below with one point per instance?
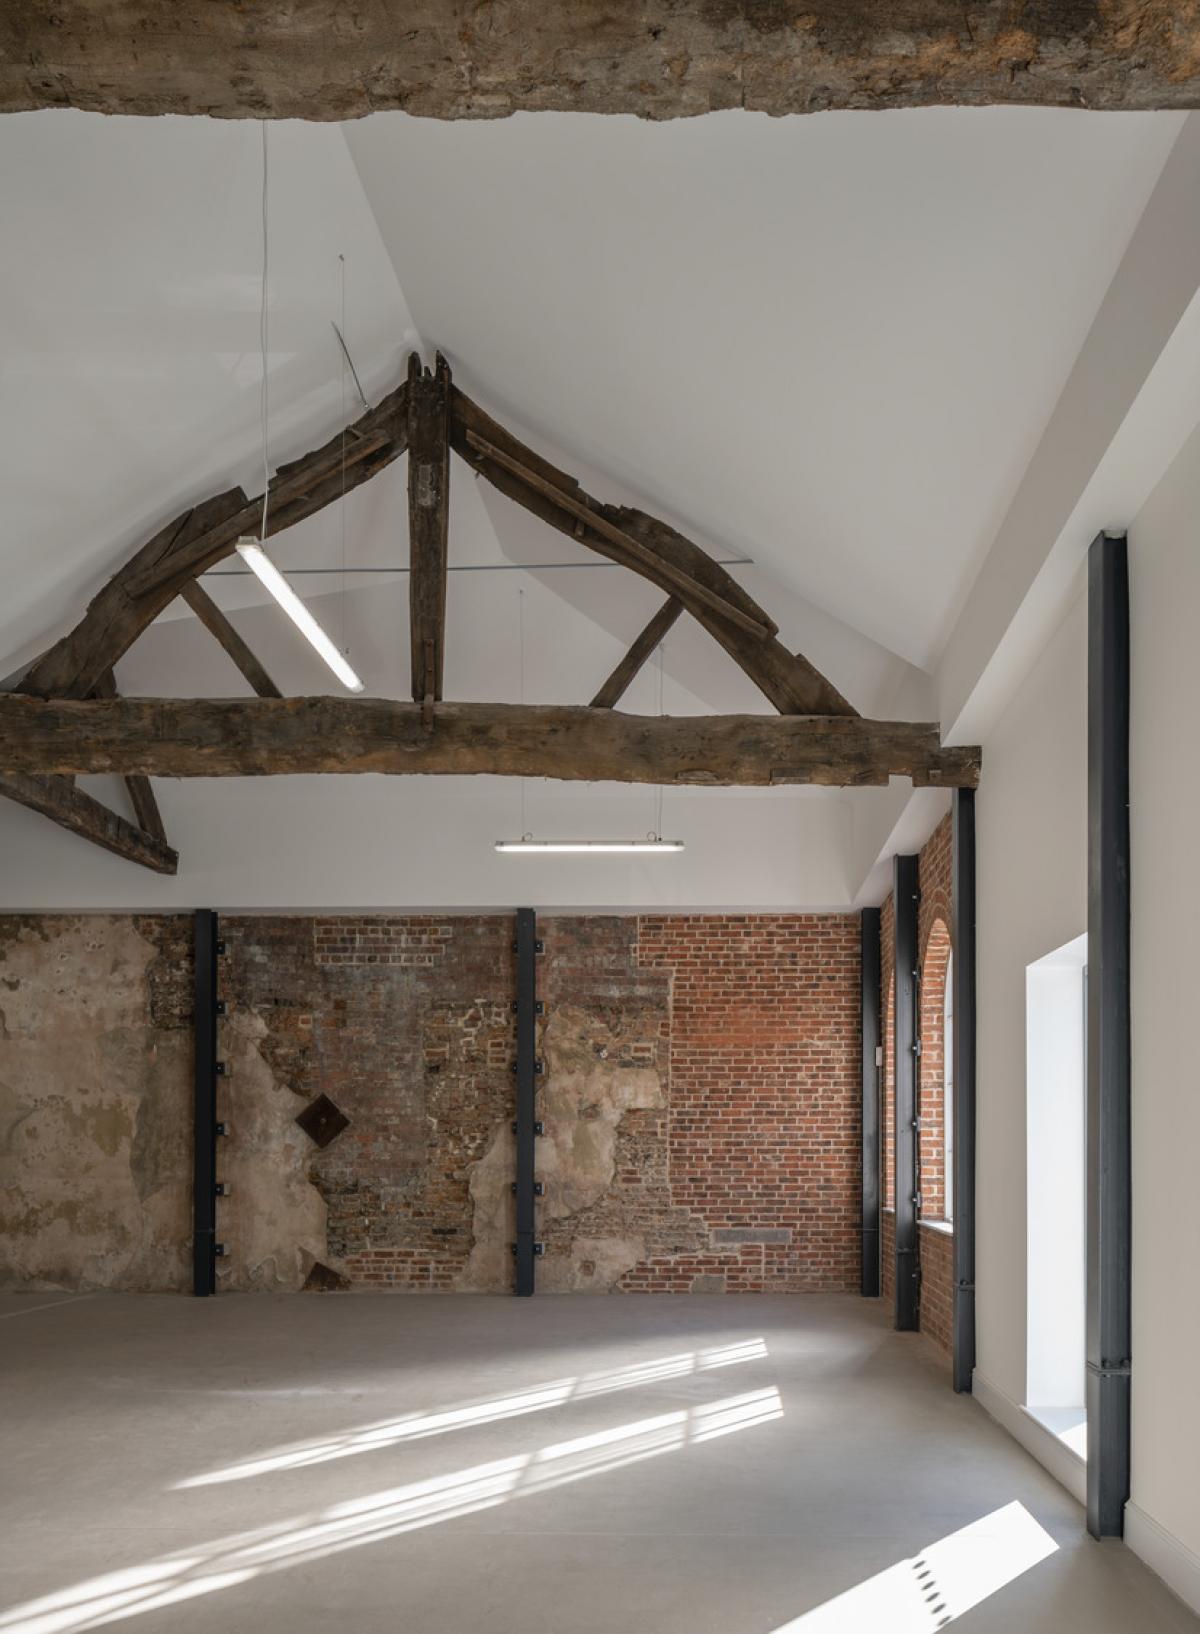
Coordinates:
(525, 832)
(342, 505)
(264, 400)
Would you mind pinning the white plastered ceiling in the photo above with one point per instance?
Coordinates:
(828, 348)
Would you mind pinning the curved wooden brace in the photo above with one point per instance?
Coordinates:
(204, 534)
(649, 547)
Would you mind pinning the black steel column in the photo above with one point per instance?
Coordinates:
(908, 1268)
(204, 1182)
(526, 1125)
(870, 1102)
(963, 1111)
(1109, 1330)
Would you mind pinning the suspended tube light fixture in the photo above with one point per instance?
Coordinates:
(269, 576)
(529, 845)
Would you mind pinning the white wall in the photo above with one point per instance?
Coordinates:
(1165, 796)
(1032, 898)
(372, 843)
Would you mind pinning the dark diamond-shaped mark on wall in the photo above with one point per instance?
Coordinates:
(322, 1121)
(323, 1279)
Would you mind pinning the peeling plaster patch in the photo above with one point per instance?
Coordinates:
(273, 1220)
(95, 1190)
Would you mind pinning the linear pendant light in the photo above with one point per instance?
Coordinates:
(268, 575)
(529, 845)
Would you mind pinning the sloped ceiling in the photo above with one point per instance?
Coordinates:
(826, 345)
(830, 343)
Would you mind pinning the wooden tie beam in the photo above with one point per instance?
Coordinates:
(65, 718)
(264, 737)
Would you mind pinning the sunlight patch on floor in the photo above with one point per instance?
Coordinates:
(536, 1399)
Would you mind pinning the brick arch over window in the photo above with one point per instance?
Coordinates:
(933, 1109)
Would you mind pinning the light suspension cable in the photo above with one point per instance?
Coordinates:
(528, 846)
(253, 551)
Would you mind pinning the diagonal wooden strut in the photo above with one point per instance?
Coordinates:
(69, 807)
(614, 688)
(141, 794)
(215, 621)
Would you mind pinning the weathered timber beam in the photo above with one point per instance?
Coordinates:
(69, 807)
(428, 522)
(204, 534)
(611, 693)
(139, 789)
(257, 737)
(451, 59)
(215, 622)
(592, 524)
(650, 547)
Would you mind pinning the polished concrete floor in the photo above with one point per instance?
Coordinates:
(587, 1466)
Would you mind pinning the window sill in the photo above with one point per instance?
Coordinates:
(1066, 1424)
(946, 1227)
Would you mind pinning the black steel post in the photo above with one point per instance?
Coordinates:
(871, 1039)
(963, 1110)
(908, 1266)
(204, 1169)
(1109, 1329)
(525, 1125)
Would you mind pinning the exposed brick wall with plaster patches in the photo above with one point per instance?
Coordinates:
(700, 1100)
(405, 1023)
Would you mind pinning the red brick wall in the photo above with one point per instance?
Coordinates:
(764, 1107)
(701, 1094)
(937, 1285)
(887, 1277)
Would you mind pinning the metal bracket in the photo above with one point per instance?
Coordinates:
(220, 1189)
(221, 1068)
(219, 1250)
(221, 1129)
